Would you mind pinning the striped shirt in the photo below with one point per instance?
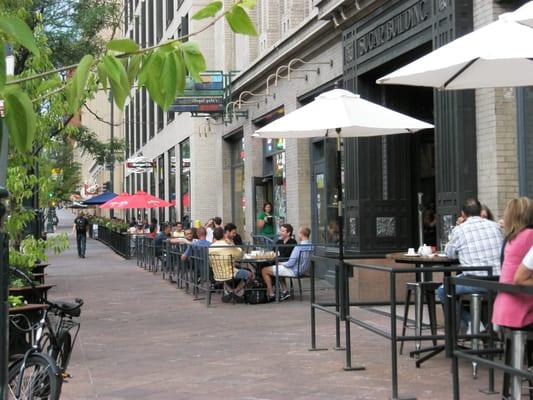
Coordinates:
(476, 242)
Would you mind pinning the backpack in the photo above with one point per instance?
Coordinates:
(256, 292)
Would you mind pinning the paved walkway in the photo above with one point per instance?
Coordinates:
(142, 338)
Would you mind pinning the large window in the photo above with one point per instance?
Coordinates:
(143, 24)
(150, 24)
(132, 128)
(170, 11)
(159, 20)
(151, 118)
(238, 200)
(144, 106)
(137, 121)
(172, 183)
(127, 130)
(275, 155)
(185, 181)
(160, 119)
(161, 182)
(324, 191)
(152, 191)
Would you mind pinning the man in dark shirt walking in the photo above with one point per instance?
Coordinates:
(81, 223)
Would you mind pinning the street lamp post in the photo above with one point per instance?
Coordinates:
(4, 241)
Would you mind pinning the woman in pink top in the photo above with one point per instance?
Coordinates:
(515, 310)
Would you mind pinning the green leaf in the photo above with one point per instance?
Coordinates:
(78, 82)
(19, 32)
(181, 73)
(47, 85)
(118, 79)
(143, 73)
(133, 68)
(102, 75)
(168, 80)
(122, 45)
(153, 78)
(208, 11)
(20, 118)
(2, 66)
(249, 4)
(240, 22)
(194, 59)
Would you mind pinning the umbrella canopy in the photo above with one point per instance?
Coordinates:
(100, 199)
(524, 14)
(117, 201)
(496, 55)
(138, 200)
(340, 113)
(342, 109)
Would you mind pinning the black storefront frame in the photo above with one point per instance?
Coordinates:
(323, 164)
(456, 172)
(232, 140)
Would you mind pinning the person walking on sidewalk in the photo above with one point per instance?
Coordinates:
(81, 223)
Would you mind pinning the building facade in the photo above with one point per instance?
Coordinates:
(213, 166)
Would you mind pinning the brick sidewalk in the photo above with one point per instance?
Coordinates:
(141, 338)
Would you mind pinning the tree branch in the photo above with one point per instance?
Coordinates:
(100, 118)
(124, 55)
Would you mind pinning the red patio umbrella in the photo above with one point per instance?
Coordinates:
(116, 202)
(138, 200)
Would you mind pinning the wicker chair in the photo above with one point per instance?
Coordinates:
(223, 271)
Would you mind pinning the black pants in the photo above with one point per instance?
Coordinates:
(81, 240)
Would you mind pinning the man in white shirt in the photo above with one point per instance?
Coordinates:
(475, 242)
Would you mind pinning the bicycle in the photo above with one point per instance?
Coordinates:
(52, 345)
(32, 374)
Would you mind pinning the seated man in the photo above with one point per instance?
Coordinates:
(160, 239)
(201, 241)
(223, 246)
(285, 244)
(297, 264)
(475, 242)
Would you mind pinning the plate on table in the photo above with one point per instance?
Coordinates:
(411, 255)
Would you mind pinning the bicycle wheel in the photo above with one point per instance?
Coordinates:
(61, 354)
(39, 379)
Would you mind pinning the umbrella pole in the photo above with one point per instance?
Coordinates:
(344, 294)
(340, 224)
(420, 219)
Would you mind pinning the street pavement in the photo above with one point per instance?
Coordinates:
(142, 338)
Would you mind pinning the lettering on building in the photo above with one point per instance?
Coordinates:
(393, 28)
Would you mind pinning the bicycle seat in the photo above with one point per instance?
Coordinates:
(72, 309)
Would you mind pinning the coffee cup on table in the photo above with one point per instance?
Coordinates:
(411, 251)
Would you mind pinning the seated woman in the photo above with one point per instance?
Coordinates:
(510, 309)
(297, 264)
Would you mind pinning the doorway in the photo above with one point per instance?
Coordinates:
(263, 192)
(419, 171)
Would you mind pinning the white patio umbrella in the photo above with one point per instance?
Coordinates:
(523, 15)
(496, 55)
(339, 113)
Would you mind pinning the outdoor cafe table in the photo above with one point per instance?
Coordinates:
(393, 271)
(420, 261)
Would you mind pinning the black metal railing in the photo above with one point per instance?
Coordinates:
(120, 243)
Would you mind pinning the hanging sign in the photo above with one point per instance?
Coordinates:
(139, 165)
(206, 96)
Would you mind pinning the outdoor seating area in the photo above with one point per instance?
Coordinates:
(205, 276)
